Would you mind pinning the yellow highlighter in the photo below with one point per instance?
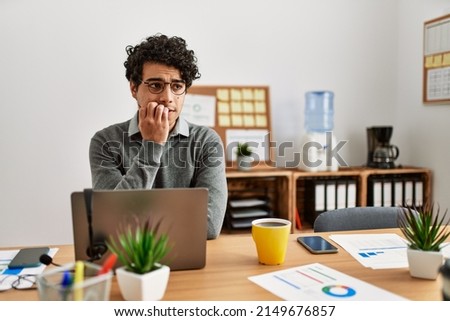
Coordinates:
(78, 280)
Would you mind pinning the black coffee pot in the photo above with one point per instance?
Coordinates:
(381, 154)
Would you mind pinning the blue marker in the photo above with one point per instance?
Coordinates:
(66, 282)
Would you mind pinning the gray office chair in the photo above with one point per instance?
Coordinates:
(357, 218)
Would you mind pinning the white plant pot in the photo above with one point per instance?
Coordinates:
(424, 264)
(143, 287)
(244, 163)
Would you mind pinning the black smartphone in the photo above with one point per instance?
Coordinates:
(28, 257)
(317, 244)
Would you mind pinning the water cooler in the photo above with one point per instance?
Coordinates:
(319, 139)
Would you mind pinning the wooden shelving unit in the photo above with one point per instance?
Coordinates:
(273, 184)
(285, 189)
(362, 176)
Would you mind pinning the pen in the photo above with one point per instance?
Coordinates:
(78, 280)
(66, 282)
(108, 264)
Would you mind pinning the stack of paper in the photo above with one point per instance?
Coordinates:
(377, 251)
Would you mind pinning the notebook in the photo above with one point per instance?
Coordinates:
(183, 212)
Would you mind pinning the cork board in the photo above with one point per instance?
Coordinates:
(236, 113)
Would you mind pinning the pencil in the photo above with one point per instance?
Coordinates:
(78, 280)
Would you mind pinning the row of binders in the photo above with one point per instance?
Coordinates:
(406, 191)
(334, 194)
(328, 194)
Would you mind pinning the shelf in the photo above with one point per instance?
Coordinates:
(289, 190)
(364, 178)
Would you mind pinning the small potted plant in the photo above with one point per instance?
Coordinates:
(140, 249)
(425, 230)
(243, 154)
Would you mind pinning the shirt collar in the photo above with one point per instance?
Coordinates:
(133, 126)
(181, 127)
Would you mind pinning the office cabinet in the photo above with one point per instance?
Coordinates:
(257, 193)
(316, 192)
(301, 196)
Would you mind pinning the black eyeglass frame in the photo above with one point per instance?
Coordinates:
(163, 84)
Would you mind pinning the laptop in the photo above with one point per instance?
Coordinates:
(182, 212)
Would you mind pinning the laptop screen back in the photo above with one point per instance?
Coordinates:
(182, 212)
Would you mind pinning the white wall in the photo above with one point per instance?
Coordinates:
(62, 78)
(422, 131)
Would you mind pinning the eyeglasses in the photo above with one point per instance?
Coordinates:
(18, 282)
(157, 86)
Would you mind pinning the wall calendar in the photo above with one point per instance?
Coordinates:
(436, 61)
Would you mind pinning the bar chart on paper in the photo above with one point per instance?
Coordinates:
(376, 251)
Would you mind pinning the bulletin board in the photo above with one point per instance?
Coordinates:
(236, 113)
(436, 61)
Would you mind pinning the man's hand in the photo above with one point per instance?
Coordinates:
(154, 122)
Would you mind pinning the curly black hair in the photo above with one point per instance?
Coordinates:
(161, 49)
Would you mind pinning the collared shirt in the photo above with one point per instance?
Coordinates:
(193, 156)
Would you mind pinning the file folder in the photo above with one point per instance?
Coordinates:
(408, 200)
(387, 193)
(351, 195)
(320, 196)
(331, 195)
(418, 193)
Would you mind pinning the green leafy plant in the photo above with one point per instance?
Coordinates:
(243, 149)
(139, 246)
(424, 228)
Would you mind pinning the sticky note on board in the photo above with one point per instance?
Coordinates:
(236, 120)
(223, 94)
(260, 107)
(247, 107)
(223, 108)
(437, 61)
(247, 94)
(446, 60)
(249, 121)
(261, 121)
(224, 121)
(236, 107)
(258, 94)
(236, 94)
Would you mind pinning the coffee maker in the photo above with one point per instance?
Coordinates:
(381, 154)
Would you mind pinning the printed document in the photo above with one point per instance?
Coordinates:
(377, 251)
(317, 282)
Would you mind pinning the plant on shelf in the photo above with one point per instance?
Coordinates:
(140, 248)
(243, 153)
(243, 149)
(426, 230)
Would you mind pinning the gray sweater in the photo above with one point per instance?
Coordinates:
(193, 156)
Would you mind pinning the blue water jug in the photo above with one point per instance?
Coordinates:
(319, 111)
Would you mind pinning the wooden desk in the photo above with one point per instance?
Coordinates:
(232, 259)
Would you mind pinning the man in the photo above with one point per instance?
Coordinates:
(157, 148)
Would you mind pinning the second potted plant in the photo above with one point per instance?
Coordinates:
(425, 230)
(243, 154)
(140, 248)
